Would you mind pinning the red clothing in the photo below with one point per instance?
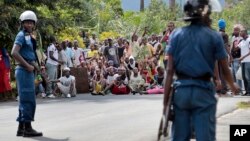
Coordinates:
(149, 75)
(4, 76)
(120, 90)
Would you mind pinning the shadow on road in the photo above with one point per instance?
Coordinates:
(50, 139)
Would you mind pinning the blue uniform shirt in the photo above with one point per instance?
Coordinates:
(26, 50)
(195, 48)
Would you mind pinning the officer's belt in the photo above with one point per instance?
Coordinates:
(28, 61)
(186, 77)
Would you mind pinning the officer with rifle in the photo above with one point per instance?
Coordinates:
(193, 51)
(23, 52)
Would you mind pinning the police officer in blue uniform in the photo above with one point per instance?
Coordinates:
(193, 51)
(23, 52)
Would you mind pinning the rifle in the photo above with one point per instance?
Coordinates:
(167, 116)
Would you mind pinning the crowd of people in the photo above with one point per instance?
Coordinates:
(117, 66)
(192, 56)
(123, 66)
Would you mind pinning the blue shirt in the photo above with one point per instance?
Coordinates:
(194, 49)
(26, 50)
(69, 52)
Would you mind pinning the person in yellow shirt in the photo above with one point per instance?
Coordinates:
(92, 53)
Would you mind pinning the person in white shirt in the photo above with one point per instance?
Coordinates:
(136, 82)
(245, 59)
(51, 64)
(93, 39)
(66, 84)
(110, 77)
(78, 53)
(62, 57)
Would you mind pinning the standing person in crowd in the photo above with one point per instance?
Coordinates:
(101, 49)
(127, 50)
(92, 53)
(86, 39)
(52, 64)
(62, 57)
(69, 54)
(145, 51)
(222, 26)
(5, 86)
(136, 42)
(194, 101)
(111, 53)
(235, 52)
(23, 52)
(165, 40)
(244, 46)
(155, 42)
(78, 53)
(120, 48)
(93, 39)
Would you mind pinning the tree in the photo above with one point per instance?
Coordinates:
(141, 5)
(172, 4)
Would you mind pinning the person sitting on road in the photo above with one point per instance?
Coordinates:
(110, 77)
(136, 82)
(98, 82)
(120, 85)
(66, 84)
(158, 86)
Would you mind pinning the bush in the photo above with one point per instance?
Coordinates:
(70, 34)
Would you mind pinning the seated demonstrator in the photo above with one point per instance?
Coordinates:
(23, 52)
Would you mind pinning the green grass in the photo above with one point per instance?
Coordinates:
(243, 105)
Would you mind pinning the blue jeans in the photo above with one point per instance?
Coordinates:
(40, 88)
(235, 67)
(26, 91)
(194, 107)
(246, 75)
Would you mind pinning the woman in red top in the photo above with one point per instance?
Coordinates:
(4, 73)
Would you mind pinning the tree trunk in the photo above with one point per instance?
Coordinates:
(142, 5)
(172, 4)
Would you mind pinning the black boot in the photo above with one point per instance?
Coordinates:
(30, 132)
(20, 129)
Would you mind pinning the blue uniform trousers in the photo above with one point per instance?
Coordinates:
(26, 92)
(195, 107)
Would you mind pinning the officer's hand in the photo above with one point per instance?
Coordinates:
(218, 84)
(30, 68)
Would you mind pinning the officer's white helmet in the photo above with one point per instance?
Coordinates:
(28, 15)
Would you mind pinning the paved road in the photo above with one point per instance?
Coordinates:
(96, 118)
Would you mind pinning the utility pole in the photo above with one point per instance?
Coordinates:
(142, 5)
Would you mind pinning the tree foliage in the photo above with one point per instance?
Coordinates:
(65, 18)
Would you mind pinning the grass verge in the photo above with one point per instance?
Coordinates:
(243, 105)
